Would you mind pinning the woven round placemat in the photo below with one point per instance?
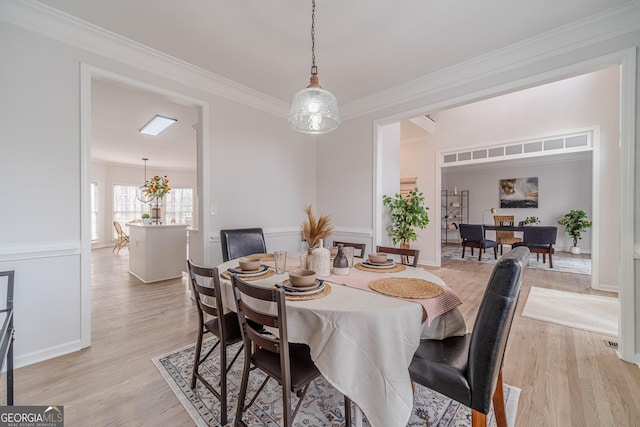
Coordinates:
(396, 268)
(263, 257)
(323, 293)
(405, 287)
(226, 275)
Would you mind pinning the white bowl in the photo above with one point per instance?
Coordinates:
(378, 257)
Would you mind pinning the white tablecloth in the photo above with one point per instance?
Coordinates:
(362, 342)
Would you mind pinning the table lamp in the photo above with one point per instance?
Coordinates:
(492, 210)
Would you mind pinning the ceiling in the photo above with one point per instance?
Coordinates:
(362, 47)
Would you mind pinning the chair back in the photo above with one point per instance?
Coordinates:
(471, 232)
(540, 235)
(503, 220)
(241, 242)
(118, 228)
(205, 283)
(405, 254)
(357, 246)
(492, 326)
(264, 307)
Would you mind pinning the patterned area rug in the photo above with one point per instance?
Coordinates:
(564, 262)
(323, 405)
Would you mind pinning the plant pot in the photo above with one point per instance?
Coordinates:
(404, 246)
(575, 250)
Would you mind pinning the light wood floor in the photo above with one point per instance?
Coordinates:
(568, 377)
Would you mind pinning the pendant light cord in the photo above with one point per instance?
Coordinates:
(314, 69)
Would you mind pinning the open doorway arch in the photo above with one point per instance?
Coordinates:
(87, 74)
(626, 59)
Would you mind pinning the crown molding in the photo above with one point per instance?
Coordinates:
(49, 22)
(597, 28)
(45, 20)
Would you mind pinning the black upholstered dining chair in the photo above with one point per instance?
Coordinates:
(540, 240)
(242, 242)
(469, 368)
(407, 256)
(472, 236)
(205, 284)
(290, 364)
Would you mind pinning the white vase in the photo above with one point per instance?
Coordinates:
(575, 250)
(320, 260)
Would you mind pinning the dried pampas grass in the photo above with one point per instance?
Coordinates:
(314, 230)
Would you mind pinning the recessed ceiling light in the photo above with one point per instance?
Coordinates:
(157, 125)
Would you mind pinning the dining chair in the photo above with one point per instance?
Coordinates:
(357, 246)
(122, 239)
(205, 283)
(468, 369)
(242, 242)
(290, 364)
(405, 254)
(505, 237)
(472, 236)
(540, 240)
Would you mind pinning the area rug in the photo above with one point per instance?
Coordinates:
(323, 405)
(562, 261)
(591, 313)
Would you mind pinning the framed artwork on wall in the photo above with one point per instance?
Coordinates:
(519, 193)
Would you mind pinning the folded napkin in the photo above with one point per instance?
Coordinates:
(234, 271)
(290, 289)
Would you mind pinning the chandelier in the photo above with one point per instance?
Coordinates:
(313, 109)
(143, 194)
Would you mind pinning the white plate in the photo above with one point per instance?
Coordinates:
(257, 272)
(387, 262)
(288, 284)
(369, 265)
(311, 292)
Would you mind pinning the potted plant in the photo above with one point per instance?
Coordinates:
(146, 219)
(574, 223)
(407, 214)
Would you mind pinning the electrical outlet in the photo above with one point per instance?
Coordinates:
(214, 210)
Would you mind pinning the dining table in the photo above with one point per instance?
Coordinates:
(361, 340)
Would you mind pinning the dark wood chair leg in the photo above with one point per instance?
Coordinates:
(479, 254)
(463, 248)
(347, 411)
(498, 404)
(495, 252)
(550, 260)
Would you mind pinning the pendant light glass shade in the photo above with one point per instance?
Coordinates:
(143, 194)
(314, 110)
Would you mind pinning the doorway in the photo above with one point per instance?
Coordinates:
(96, 79)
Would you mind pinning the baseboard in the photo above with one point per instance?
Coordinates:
(47, 353)
(608, 288)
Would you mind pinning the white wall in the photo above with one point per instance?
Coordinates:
(260, 173)
(590, 100)
(562, 186)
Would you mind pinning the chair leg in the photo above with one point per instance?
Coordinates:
(196, 361)
(550, 260)
(478, 419)
(498, 404)
(495, 252)
(463, 248)
(479, 254)
(243, 390)
(347, 411)
(223, 383)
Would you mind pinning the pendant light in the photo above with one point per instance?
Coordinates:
(313, 109)
(143, 193)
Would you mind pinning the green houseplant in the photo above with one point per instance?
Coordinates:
(407, 214)
(574, 223)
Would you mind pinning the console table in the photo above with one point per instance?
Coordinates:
(6, 334)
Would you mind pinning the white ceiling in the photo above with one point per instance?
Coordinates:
(362, 47)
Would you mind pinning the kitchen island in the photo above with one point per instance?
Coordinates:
(157, 252)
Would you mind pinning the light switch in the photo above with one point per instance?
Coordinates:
(214, 210)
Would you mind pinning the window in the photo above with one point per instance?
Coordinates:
(94, 211)
(178, 205)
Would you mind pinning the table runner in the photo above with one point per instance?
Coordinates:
(360, 279)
